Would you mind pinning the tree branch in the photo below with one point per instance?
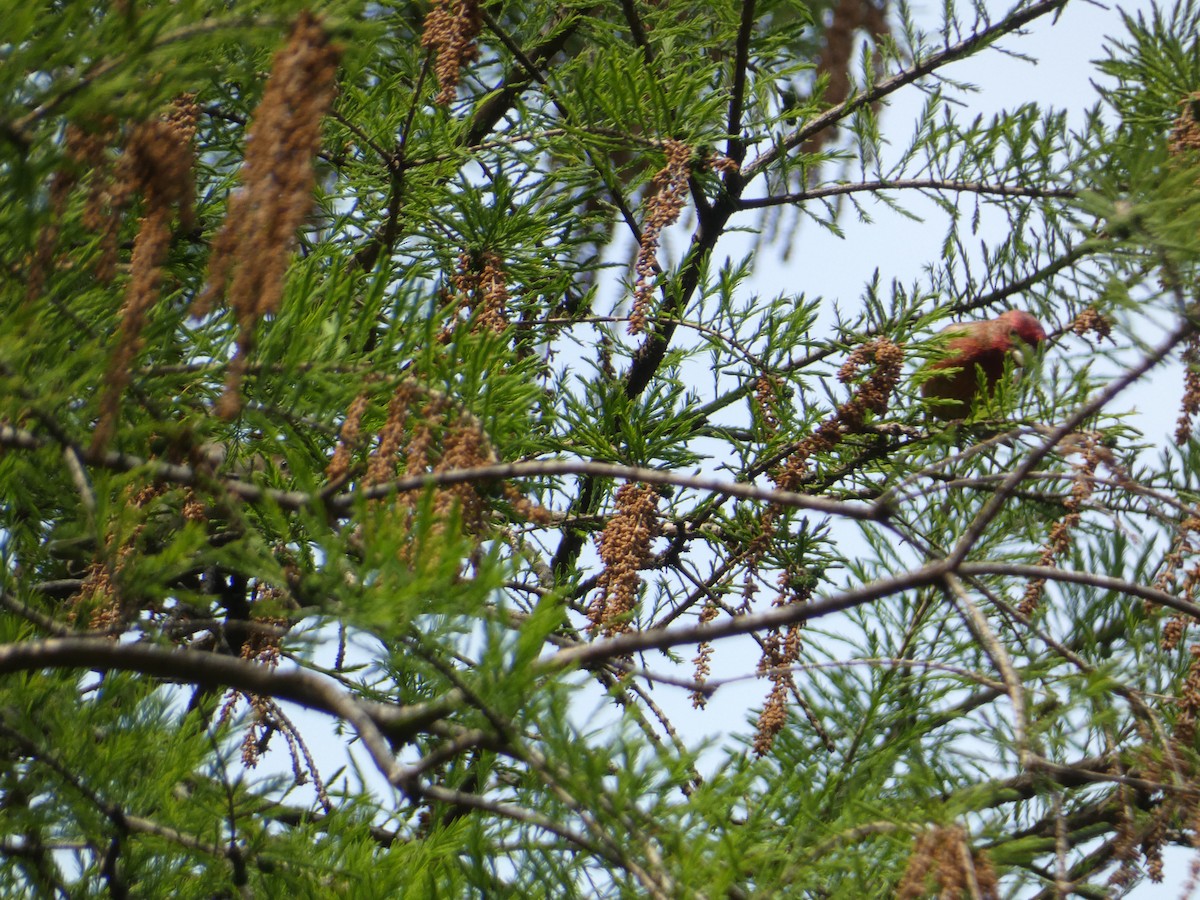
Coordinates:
(342, 503)
(936, 184)
(373, 721)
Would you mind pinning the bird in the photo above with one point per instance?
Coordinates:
(954, 380)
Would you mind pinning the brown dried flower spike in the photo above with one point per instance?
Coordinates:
(252, 250)
(450, 32)
(872, 397)
(944, 856)
(624, 547)
(1185, 135)
(157, 164)
(664, 203)
(1190, 405)
(1059, 539)
(1092, 321)
(87, 156)
(339, 465)
(482, 288)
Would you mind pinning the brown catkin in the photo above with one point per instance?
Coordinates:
(339, 464)
(451, 28)
(872, 397)
(624, 547)
(157, 164)
(664, 203)
(251, 252)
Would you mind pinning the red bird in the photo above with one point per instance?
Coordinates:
(977, 346)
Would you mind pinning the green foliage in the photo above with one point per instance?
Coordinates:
(269, 639)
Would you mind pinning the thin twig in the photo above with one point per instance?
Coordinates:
(970, 187)
(342, 503)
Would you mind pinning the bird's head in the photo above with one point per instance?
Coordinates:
(1017, 329)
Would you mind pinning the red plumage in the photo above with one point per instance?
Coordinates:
(977, 346)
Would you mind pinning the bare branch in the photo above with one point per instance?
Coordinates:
(295, 500)
(202, 668)
(935, 184)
